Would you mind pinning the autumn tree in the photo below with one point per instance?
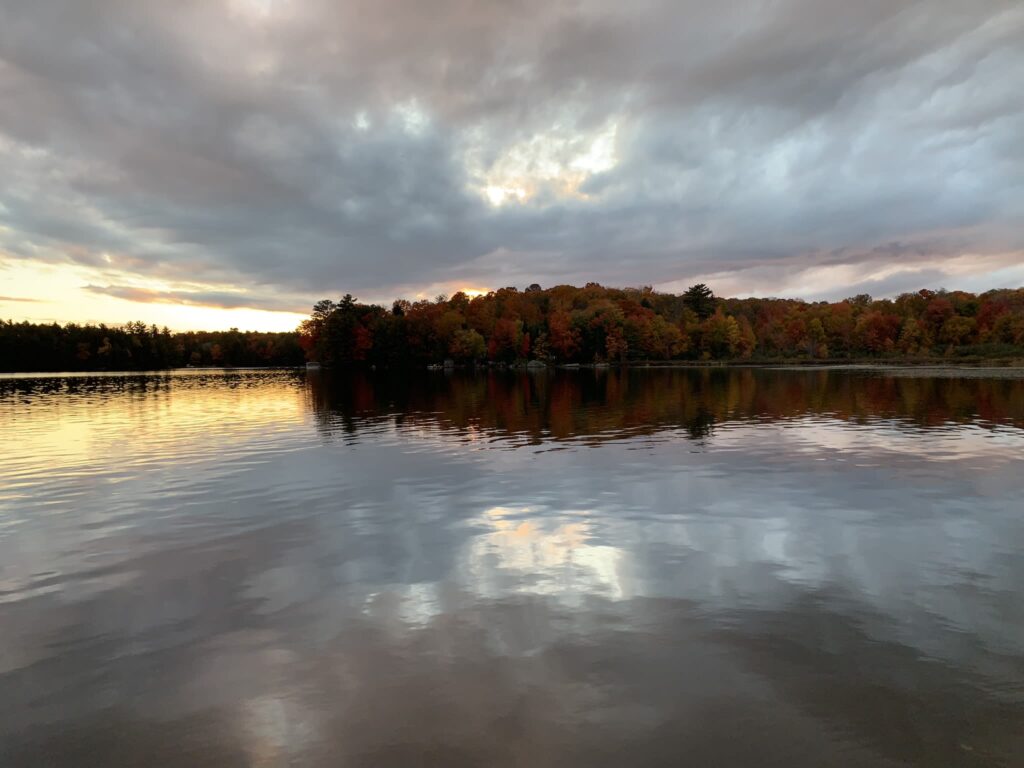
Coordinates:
(504, 343)
(700, 300)
(563, 337)
(468, 346)
(720, 335)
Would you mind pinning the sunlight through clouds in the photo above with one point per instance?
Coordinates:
(260, 10)
(556, 163)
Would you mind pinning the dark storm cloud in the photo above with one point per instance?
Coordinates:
(319, 147)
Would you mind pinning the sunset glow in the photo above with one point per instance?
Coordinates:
(62, 294)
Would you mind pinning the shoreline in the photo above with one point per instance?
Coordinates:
(535, 366)
(796, 363)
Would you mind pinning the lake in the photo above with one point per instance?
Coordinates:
(719, 567)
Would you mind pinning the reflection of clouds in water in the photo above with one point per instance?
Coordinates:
(400, 607)
(276, 730)
(527, 551)
(292, 577)
(540, 552)
(755, 521)
(876, 441)
(752, 519)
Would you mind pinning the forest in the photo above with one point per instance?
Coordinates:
(138, 347)
(596, 324)
(560, 325)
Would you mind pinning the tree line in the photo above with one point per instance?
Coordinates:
(564, 324)
(596, 324)
(136, 346)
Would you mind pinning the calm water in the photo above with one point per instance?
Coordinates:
(708, 568)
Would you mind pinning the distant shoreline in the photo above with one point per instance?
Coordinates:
(780, 364)
(930, 362)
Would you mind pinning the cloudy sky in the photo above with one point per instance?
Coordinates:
(208, 163)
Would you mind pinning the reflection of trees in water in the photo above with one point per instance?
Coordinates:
(143, 384)
(599, 405)
(700, 426)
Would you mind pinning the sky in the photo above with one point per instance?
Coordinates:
(218, 163)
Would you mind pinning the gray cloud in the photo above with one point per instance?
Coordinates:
(220, 299)
(321, 147)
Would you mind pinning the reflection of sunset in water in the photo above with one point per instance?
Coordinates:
(85, 419)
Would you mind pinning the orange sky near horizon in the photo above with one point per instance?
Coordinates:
(47, 293)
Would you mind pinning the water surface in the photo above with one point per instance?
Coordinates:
(752, 567)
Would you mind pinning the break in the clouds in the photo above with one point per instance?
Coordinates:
(280, 150)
